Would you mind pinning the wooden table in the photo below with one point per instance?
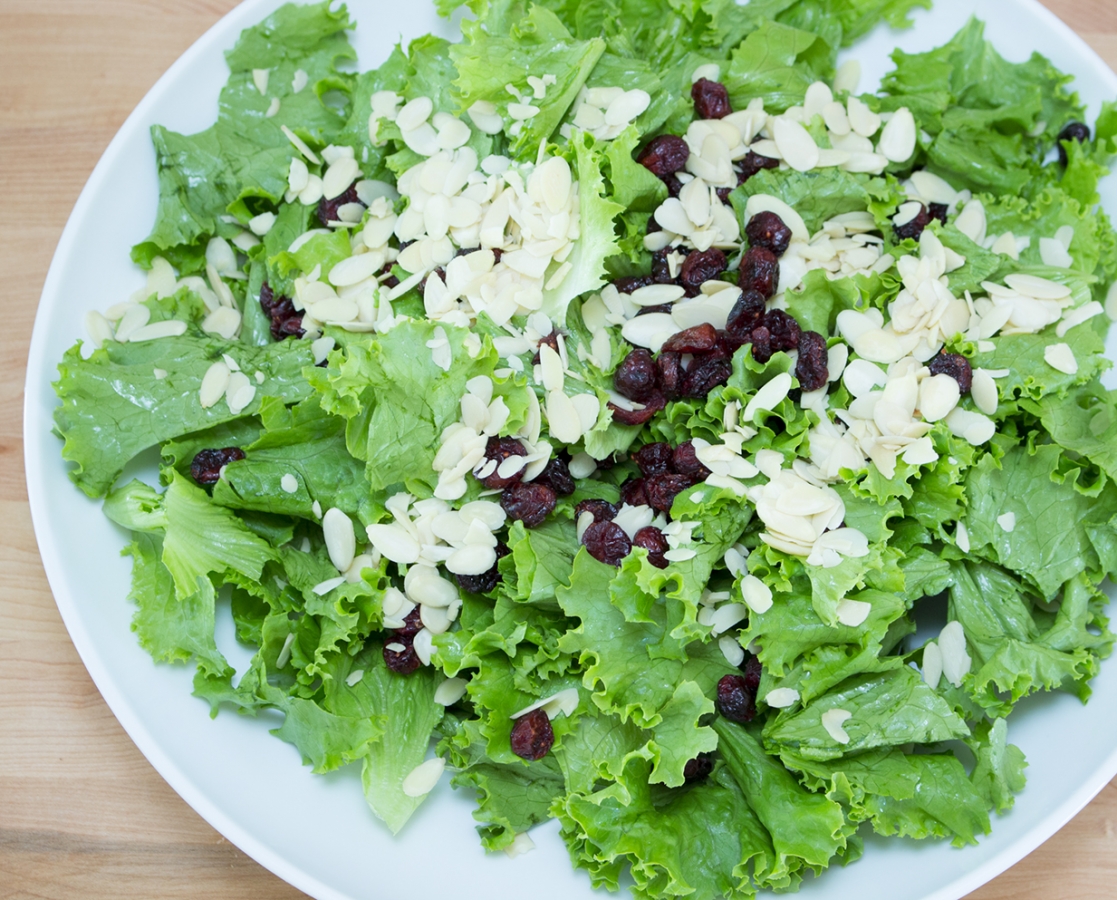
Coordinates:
(82, 813)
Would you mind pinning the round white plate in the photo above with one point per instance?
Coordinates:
(316, 832)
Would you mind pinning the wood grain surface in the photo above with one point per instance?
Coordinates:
(82, 813)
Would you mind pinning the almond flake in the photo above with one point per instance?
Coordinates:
(832, 721)
(932, 665)
(1061, 358)
(421, 780)
(781, 698)
(289, 483)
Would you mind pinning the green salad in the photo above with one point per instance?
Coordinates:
(589, 407)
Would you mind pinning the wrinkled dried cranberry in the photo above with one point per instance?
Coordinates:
(760, 272)
(753, 670)
(761, 340)
(711, 99)
(654, 459)
(412, 625)
(674, 186)
(267, 299)
(704, 375)
(655, 542)
(915, 228)
(723, 194)
(956, 366)
(653, 226)
(486, 581)
(938, 211)
(664, 155)
(402, 662)
(735, 700)
(556, 475)
(327, 209)
(207, 464)
(783, 328)
(652, 405)
(635, 377)
(766, 229)
(685, 461)
(1074, 131)
(633, 283)
(698, 769)
(699, 339)
(700, 266)
(286, 321)
(633, 493)
(500, 449)
(602, 510)
(811, 369)
(669, 373)
(391, 281)
(292, 326)
(658, 308)
(528, 503)
(661, 268)
(607, 542)
(747, 313)
(661, 490)
(753, 163)
(532, 736)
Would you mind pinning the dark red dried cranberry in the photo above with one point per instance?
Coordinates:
(661, 490)
(760, 272)
(766, 229)
(602, 510)
(754, 163)
(784, 330)
(632, 283)
(698, 769)
(669, 373)
(653, 226)
(486, 581)
(207, 464)
(685, 462)
(267, 299)
(761, 340)
(391, 281)
(699, 339)
(736, 701)
(699, 267)
(500, 449)
(915, 228)
(327, 209)
(654, 459)
(652, 405)
(711, 99)
(674, 186)
(956, 366)
(747, 313)
(753, 670)
(532, 736)
(633, 493)
(810, 368)
(938, 211)
(723, 194)
(292, 326)
(528, 503)
(412, 625)
(658, 308)
(704, 375)
(1074, 131)
(556, 475)
(286, 321)
(661, 268)
(607, 542)
(635, 377)
(655, 542)
(402, 662)
(664, 155)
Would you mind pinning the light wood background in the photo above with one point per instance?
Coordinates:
(82, 813)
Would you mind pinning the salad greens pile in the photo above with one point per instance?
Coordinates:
(348, 415)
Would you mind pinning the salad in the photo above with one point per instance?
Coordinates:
(590, 407)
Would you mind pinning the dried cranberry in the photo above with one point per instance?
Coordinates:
(633, 493)
(736, 701)
(654, 541)
(653, 226)
(699, 339)
(661, 490)
(723, 194)
(784, 330)
(704, 375)
(1074, 131)
(811, 369)
(658, 308)
(652, 405)
(747, 313)
(766, 229)
(664, 155)
(556, 475)
(412, 625)
(499, 449)
(938, 211)
(654, 459)
(602, 510)
(711, 99)
(207, 464)
(753, 670)
(699, 267)
(915, 228)
(632, 283)
(532, 736)
(607, 542)
(292, 326)
(267, 299)
(391, 281)
(661, 268)
(551, 340)
(685, 461)
(760, 272)
(761, 340)
(674, 186)
(402, 662)
(528, 503)
(956, 366)
(486, 581)
(635, 377)
(698, 769)
(327, 209)
(669, 373)
(439, 272)
(753, 163)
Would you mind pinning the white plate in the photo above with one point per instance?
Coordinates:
(316, 832)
